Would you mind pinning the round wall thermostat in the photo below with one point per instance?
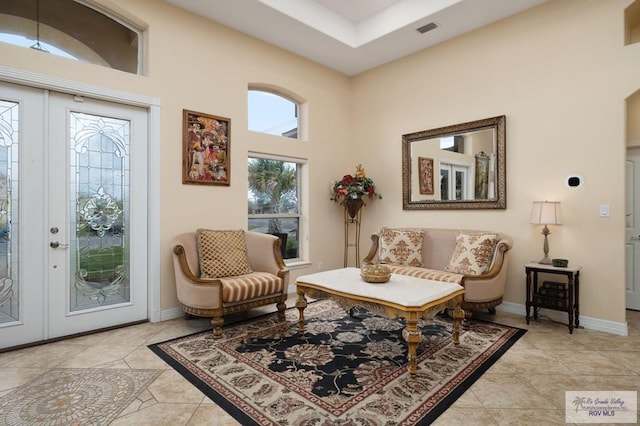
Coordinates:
(574, 181)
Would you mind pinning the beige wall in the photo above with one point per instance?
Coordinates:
(199, 65)
(559, 72)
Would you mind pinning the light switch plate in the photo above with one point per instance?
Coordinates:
(604, 210)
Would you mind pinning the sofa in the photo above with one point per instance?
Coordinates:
(477, 260)
(223, 272)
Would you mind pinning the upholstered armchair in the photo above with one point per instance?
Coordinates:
(209, 282)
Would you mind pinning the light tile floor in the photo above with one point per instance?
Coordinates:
(525, 387)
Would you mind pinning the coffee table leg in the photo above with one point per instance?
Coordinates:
(301, 303)
(413, 336)
(458, 316)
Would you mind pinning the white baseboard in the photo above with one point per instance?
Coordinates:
(169, 314)
(619, 328)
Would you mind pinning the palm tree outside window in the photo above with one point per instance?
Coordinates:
(273, 202)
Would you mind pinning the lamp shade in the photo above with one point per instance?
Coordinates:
(546, 213)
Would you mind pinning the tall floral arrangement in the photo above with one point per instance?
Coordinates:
(353, 186)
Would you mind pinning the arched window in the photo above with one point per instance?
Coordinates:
(72, 29)
(272, 113)
(275, 184)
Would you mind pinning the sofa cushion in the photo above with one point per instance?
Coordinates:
(401, 247)
(427, 274)
(473, 253)
(222, 253)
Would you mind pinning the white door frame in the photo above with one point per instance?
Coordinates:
(631, 230)
(11, 75)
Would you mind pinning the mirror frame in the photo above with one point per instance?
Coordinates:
(500, 202)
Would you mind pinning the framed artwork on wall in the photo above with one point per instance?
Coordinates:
(425, 173)
(206, 145)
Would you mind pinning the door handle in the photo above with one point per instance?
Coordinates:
(55, 244)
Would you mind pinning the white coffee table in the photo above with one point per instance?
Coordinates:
(402, 297)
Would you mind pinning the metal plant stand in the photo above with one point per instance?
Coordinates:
(352, 216)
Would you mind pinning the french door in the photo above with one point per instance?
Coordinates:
(73, 214)
(453, 181)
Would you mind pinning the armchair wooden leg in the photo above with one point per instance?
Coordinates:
(468, 314)
(282, 307)
(217, 322)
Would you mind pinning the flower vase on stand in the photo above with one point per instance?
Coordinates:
(353, 206)
(348, 192)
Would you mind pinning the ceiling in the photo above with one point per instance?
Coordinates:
(352, 36)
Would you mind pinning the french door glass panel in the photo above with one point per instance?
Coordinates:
(99, 195)
(9, 225)
(460, 179)
(444, 183)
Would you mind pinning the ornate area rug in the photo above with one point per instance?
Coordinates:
(342, 371)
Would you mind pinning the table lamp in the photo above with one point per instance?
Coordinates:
(546, 213)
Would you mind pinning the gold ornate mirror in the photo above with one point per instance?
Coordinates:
(456, 167)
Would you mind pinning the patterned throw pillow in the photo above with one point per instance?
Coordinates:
(222, 253)
(401, 247)
(473, 253)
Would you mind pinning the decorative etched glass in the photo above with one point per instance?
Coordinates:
(100, 199)
(9, 277)
(100, 212)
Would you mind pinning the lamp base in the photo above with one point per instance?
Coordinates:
(545, 248)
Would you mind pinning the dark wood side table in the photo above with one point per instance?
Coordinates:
(569, 303)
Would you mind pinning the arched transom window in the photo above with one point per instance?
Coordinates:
(72, 29)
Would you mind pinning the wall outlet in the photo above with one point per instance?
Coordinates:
(320, 266)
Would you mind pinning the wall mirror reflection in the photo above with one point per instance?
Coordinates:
(456, 167)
